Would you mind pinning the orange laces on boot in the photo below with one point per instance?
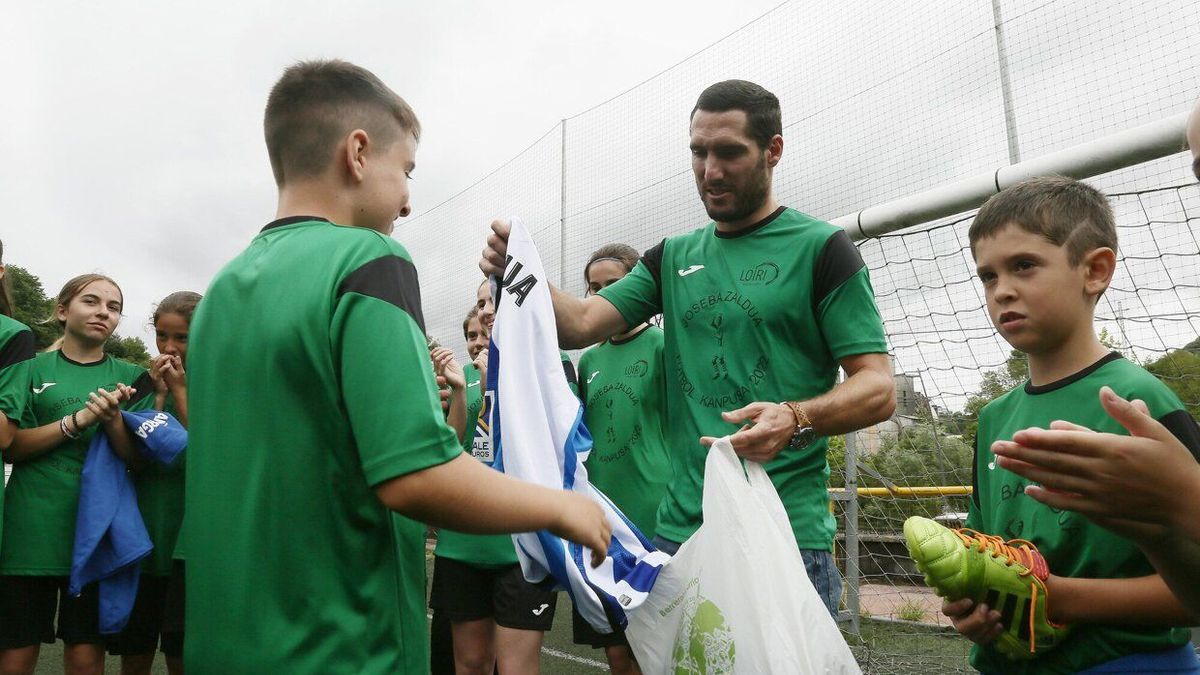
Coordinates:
(1013, 551)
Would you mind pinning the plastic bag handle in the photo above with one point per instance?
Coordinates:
(723, 473)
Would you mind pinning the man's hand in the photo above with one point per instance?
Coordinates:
(978, 623)
(496, 253)
(768, 430)
(582, 521)
(1131, 485)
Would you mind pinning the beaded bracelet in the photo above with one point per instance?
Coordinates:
(62, 425)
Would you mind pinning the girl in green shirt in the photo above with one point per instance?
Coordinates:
(156, 621)
(623, 387)
(68, 395)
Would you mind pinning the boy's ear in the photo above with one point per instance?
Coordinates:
(1098, 266)
(355, 154)
(60, 312)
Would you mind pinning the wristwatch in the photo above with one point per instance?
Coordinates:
(804, 434)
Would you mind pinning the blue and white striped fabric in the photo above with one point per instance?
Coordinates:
(538, 436)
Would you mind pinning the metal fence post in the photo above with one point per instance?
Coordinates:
(852, 570)
(562, 210)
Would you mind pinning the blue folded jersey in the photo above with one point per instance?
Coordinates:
(110, 536)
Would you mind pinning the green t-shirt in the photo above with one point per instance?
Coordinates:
(763, 314)
(1073, 545)
(475, 388)
(310, 385)
(624, 390)
(485, 550)
(160, 499)
(16, 348)
(42, 499)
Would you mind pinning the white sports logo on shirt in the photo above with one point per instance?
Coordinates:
(693, 268)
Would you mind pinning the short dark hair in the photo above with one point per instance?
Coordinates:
(316, 103)
(763, 117)
(1064, 211)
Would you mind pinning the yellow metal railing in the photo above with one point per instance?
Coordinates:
(929, 491)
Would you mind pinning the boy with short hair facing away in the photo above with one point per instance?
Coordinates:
(1045, 251)
(315, 418)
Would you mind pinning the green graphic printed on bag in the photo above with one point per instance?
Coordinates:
(704, 644)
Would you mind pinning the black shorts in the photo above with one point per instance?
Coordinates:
(441, 646)
(141, 634)
(465, 592)
(582, 633)
(29, 605)
(172, 627)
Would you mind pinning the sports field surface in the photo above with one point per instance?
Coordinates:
(891, 648)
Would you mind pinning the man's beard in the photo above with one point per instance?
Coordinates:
(746, 200)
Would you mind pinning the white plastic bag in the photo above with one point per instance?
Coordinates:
(736, 598)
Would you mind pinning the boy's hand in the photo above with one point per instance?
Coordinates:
(582, 521)
(978, 623)
(495, 255)
(1128, 484)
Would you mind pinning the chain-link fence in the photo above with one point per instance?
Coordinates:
(880, 101)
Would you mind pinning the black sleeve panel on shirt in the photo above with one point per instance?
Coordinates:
(838, 261)
(569, 369)
(391, 279)
(145, 389)
(652, 259)
(19, 348)
(1183, 427)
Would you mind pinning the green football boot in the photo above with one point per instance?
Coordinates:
(1009, 577)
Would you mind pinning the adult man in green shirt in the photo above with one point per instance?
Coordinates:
(761, 305)
(314, 413)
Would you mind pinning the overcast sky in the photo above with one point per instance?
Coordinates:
(131, 141)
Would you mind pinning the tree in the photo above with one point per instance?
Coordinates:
(836, 456)
(995, 383)
(33, 308)
(1180, 370)
(130, 349)
(1193, 346)
(920, 456)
